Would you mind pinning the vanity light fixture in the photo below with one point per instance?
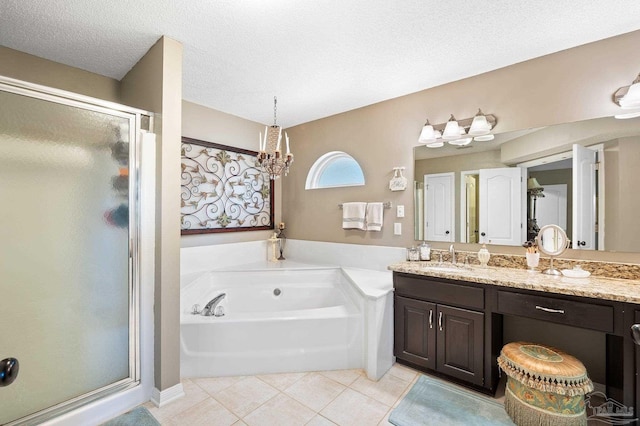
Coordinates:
(458, 132)
(628, 97)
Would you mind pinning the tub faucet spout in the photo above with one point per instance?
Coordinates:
(210, 308)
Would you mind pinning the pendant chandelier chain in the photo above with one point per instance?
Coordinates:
(272, 157)
(275, 109)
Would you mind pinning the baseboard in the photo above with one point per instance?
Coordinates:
(162, 398)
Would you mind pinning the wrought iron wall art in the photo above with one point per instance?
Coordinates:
(223, 189)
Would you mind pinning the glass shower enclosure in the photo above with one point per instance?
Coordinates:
(68, 251)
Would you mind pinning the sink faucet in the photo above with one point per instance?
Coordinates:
(210, 308)
(452, 252)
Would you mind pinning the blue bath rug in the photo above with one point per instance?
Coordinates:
(434, 402)
(138, 416)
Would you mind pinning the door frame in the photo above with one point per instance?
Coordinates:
(463, 203)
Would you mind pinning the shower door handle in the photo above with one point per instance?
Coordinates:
(8, 371)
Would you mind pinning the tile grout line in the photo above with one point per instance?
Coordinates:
(243, 417)
(282, 392)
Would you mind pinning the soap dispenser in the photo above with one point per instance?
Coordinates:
(483, 256)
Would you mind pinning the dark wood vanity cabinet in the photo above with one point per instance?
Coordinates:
(455, 329)
(432, 333)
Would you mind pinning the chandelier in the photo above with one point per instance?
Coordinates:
(270, 155)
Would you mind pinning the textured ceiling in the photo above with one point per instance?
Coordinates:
(319, 57)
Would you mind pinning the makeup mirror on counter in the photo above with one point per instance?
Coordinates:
(579, 176)
(552, 241)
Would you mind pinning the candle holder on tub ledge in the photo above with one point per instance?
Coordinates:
(282, 240)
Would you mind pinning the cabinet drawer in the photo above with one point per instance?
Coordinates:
(578, 314)
(439, 291)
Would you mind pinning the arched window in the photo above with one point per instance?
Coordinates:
(335, 169)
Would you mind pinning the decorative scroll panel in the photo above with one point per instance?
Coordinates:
(223, 189)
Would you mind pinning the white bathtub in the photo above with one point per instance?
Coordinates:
(315, 323)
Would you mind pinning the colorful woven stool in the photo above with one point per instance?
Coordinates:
(545, 386)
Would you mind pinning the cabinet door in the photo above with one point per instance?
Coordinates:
(415, 327)
(460, 343)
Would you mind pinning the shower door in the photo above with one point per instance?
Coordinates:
(68, 240)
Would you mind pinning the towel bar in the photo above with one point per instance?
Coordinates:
(386, 205)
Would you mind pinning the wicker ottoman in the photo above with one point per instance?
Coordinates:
(545, 386)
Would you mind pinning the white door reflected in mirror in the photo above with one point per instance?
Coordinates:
(439, 200)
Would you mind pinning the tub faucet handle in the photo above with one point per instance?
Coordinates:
(210, 308)
(195, 309)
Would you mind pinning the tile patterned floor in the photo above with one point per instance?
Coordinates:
(324, 398)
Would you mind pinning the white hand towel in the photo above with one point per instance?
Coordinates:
(353, 215)
(374, 216)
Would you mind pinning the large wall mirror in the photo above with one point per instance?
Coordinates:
(582, 176)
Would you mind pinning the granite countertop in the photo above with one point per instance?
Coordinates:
(621, 290)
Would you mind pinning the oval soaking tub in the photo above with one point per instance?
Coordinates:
(284, 318)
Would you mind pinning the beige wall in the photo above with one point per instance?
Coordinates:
(209, 125)
(22, 66)
(155, 84)
(563, 87)
(622, 195)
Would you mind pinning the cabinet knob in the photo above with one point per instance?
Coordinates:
(483, 234)
(446, 232)
(582, 243)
